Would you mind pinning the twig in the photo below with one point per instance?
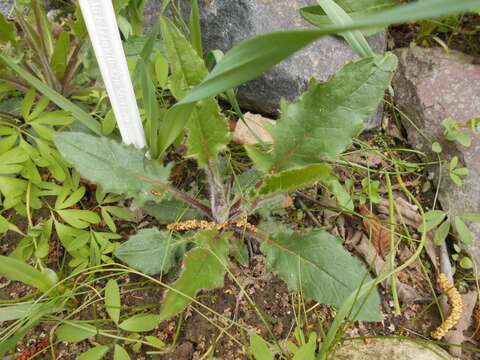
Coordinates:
(318, 202)
(310, 215)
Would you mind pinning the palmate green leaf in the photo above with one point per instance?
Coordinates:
(441, 233)
(317, 265)
(433, 218)
(204, 268)
(339, 191)
(17, 270)
(120, 353)
(96, 353)
(475, 217)
(209, 133)
(150, 251)
(79, 219)
(6, 225)
(357, 9)
(10, 161)
(75, 331)
(294, 179)
(259, 348)
(140, 323)
(255, 55)
(112, 300)
(464, 233)
(117, 168)
(325, 119)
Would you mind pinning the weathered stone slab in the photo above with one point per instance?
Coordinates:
(225, 23)
(430, 86)
(380, 349)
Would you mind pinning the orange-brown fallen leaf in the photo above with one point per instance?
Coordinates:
(379, 234)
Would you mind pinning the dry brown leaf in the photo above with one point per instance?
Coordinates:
(287, 201)
(380, 235)
(406, 293)
(476, 319)
(456, 335)
(242, 135)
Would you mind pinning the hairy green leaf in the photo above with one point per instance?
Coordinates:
(150, 251)
(208, 128)
(255, 55)
(117, 168)
(171, 210)
(294, 179)
(326, 118)
(204, 268)
(317, 265)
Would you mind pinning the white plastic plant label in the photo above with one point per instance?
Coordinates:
(103, 30)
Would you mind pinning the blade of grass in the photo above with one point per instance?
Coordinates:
(195, 29)
(354, 38)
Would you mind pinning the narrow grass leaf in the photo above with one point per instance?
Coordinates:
(17, 270)
(357, 10)
(354, 38)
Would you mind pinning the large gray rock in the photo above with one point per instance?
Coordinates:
(381, 349)
(226, 23)
(431, 85)
(6, 6)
